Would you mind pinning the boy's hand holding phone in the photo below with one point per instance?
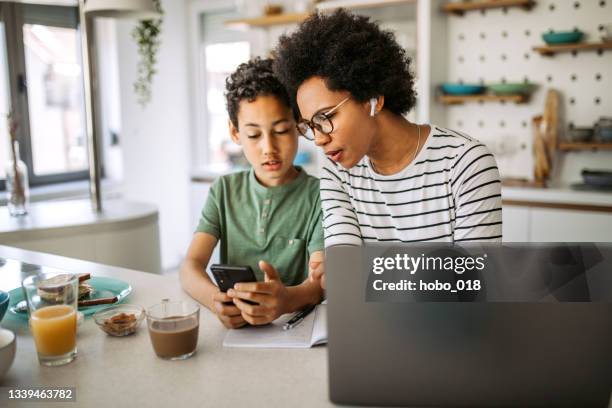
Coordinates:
(226, 311)
(270, 296)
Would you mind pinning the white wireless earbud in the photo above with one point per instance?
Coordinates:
(372, 106)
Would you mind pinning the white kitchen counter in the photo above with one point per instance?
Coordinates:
(125, 372)
(72, 214)
(125, 234)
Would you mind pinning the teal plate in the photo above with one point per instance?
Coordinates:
(104, 287)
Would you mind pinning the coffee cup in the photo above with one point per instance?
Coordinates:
(173, 328)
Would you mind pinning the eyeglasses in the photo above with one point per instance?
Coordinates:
(320, 121)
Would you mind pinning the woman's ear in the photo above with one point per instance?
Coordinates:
(233, 132)
(381, 103)
(375, 105)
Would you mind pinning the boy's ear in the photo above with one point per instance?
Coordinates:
(233, 132)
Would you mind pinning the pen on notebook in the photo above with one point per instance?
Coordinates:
(298, 317)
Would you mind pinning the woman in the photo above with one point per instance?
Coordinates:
(385, 178)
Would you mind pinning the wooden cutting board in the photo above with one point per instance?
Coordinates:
(550, 122)
(541, 165)
(546, 129)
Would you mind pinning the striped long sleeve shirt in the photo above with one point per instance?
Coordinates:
(451, 192)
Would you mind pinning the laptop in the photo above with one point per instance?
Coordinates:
(468, 353)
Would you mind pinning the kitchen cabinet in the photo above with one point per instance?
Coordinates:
(556, 214)
(535, 224)
(558, 225)
(515, 227)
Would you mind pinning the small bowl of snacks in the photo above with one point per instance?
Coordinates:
(120, 320)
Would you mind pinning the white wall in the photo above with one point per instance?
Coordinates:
(155, 140)
(494, 45)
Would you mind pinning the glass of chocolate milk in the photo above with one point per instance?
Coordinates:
(173, 327)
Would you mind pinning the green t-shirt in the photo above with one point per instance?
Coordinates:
(281, 225)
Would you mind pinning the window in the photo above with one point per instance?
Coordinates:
(221, 60)
(221, 51)
(41, 80)
(55, 99)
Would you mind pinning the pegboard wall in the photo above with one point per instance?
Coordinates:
(496, 45)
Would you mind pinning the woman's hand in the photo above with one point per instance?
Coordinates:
(316, 273)
(270, 298)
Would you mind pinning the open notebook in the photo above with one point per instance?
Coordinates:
(312, 331)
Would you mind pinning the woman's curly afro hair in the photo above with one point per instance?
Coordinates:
(350, 53)
(250, 80)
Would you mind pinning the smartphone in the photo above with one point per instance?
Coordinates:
(228, 275)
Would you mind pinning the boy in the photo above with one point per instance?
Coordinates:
(272, 211)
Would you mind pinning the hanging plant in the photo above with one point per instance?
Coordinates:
(147, 35)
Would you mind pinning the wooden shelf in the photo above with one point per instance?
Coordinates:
(267, 21)
(296, 18)
(459, 8)
(360, 4)
(459, 99)
(575, 146)
(549, 50)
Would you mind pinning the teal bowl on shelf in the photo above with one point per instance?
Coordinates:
(4, 302)
(462, 89)
(562, 37)
(511, 88)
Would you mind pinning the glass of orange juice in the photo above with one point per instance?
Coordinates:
(52, 304)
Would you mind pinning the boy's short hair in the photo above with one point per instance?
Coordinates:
(250, 80)
(350, 53)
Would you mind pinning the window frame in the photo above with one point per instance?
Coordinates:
(13, 17)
